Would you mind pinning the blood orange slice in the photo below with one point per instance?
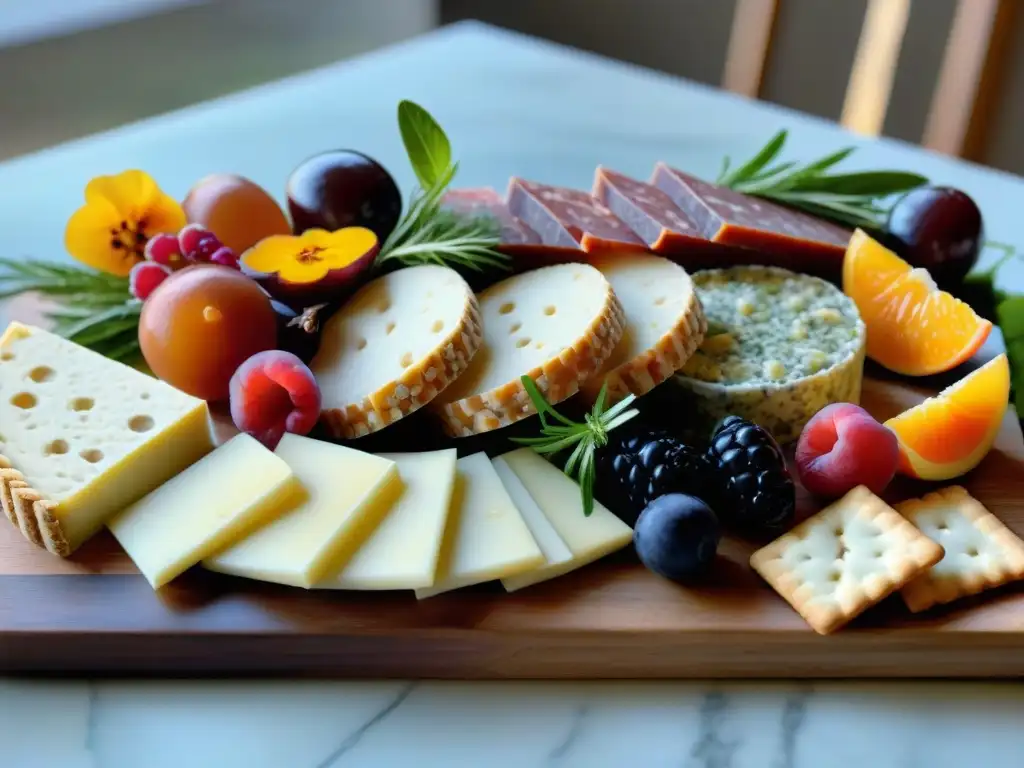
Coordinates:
(949, 434)
(913, 327)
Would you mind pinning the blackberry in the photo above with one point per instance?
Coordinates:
(758, 495)
(639, 464)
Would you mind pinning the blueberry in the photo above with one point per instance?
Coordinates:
(676, 536)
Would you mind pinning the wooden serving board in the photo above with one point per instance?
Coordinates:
(94, 614)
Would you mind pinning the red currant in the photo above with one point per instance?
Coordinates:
(145, 277)
(163, 249)
(225, 257)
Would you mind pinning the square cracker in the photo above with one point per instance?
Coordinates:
(980, 551)
(838, 563)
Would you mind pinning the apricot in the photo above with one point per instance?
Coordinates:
(200, 324)
(238, 211)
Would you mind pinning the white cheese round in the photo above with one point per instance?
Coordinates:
(393, 347)
(780, 346)
(664, 323)
(557, 325)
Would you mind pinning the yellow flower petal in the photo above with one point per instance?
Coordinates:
(162, 214)
(129, 192)
(270, 253)
(88, 238)
(348, 244)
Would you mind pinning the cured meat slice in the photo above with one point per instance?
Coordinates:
(793, 239)
(568, 218)
(659, 222)
(486, 201)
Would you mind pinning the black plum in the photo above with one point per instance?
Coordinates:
(676, 536)
(939, 229)
(343, 188)
(298, 332)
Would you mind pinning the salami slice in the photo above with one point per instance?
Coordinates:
(568, 218)
(659, 222)
(792, 239)
(486, 201)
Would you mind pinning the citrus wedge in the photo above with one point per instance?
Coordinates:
(913, 327)
(949, 434)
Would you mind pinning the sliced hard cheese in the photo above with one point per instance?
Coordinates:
(348, 493)
(664, 323)
(393, 347)
(486, 537)
(403, 552)
(588, 538)
(205, 509)
(82, 437)
(557, 325)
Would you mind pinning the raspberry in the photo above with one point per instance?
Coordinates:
(164, 249)
(225, 257)
(273, 392)
(145, 277)
(197, 243)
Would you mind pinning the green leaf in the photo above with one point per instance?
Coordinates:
(871, 183)
(429, 150)
(767, 153)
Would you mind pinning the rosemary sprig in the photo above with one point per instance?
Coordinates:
(852, 199)
(428, 234)
(94, 309)
(586, 437)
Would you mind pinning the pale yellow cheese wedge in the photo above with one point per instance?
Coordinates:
(205, 509)
(82, 436)
(589, 538)
(486, 537)
(403, 552)
(348, 493)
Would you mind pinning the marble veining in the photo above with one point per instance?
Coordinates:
(203, 724)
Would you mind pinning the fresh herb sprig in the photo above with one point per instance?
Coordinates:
(427, 233)
(95, 309)
(562, 433)
(853, 199)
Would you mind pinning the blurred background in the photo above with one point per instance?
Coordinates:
(948, 74)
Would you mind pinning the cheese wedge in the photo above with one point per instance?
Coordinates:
(214, 503)
(664, 324)
(588, 538)
(486, 537)
(403, 552)
(557, 325)
(393, 347)
(82, 436)
(348, 493)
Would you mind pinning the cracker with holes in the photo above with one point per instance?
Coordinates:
(835, 565)
(664, 324)
(393, 347)
(980, 551)
(82, 436)
(557, 325)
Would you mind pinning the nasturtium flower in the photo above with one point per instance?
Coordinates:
(307, 258)
(121, 213)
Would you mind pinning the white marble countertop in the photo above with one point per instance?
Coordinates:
(511, 106)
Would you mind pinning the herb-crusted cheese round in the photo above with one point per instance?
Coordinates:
(393, 347)
(779, 347)
(557, 325)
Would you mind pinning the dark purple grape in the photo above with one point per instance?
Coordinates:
(939, 229)
(298, 332)
(343, 188)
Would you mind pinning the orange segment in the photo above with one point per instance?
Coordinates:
(949, 434)
(913, 327)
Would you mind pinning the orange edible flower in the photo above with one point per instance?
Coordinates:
(121, 213)
(307, 258)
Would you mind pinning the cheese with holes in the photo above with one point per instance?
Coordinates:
(348, 494)
(403, 551)
(393, 347)
(558, 497)
(216, 502)
(82, 436)
(557, 325)
(664, 323)
(486, 537)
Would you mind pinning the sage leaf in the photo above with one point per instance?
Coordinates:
(429, 150)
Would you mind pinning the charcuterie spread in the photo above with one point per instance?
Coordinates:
(547, 377)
